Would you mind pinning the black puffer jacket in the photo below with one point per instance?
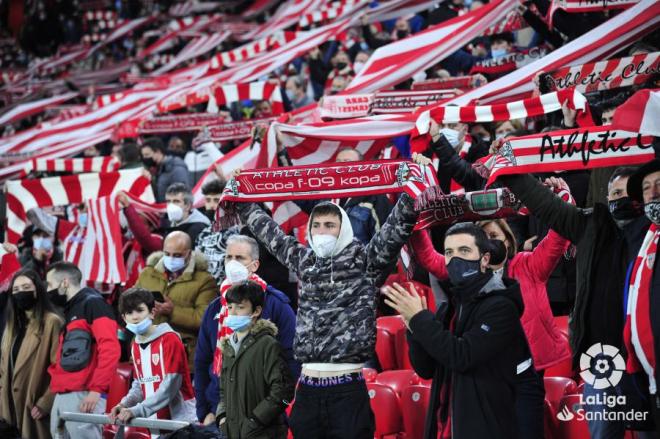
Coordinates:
(473, 364)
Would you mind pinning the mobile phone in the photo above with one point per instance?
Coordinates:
(158, 296)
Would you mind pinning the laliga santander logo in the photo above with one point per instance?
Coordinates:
(602, 366)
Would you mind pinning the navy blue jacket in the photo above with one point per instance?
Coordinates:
(277, 309)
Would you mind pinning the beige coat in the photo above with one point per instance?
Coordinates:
(31, 380)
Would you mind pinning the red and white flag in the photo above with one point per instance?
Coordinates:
(28, 109)
(640, 113)
(75, 166)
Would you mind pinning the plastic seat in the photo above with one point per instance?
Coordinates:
(397, 380)
(385, 349)
(386, 407)
(556, 388)
(414, 406)
(120, 384)
(391, 324)
(369, 374)
(562, 324)
(549, 420)
(571, 428)
(563, 369)
(401, 347)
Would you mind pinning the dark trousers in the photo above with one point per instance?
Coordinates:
(530, 396)
(336, 412)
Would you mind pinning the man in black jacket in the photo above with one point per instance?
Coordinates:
(471, 348)
(607, 240)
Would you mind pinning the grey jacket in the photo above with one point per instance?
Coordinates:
(336, 320)
(172, 170)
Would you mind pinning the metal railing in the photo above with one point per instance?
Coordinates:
(152, 424)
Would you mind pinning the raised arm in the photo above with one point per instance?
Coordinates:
(542, 261)
(426, 256)
(460, 170)
(564, 218)
(384, 247)
(285, 248)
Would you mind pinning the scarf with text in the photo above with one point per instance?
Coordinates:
(583, 148)
(508, 63)
(637, 332)
(223, 331)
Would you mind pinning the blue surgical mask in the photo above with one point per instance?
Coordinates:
(173, 264)
(140, 328)
(82, 220)
(41, 243)
(237, 323)
(498, 53)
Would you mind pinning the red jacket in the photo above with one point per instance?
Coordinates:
(532, 271)
(88, 311)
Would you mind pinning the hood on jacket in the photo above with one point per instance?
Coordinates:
(195, 217)
(197, 262)
(505, 287)
(345, 231)
(160, 329)
(260, 326)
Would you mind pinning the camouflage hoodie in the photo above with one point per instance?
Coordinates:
(336, 321)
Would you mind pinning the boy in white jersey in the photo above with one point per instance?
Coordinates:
(161, 386)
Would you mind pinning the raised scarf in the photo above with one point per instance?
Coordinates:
(222, 315)
(637, 332)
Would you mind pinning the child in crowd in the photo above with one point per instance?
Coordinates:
(255, 383)
(162, 383)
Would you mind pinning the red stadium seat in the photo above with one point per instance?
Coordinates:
(386, 407)
(571, 427)
(386, 330)
(414, 405)
(369, 374)
(563, 369)
(562, 324)
(549, 420)
(401, 345)
(120, 384)
(556, 388)
(397, 380)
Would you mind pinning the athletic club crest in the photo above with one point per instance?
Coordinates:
(506, 151)
(155, 358)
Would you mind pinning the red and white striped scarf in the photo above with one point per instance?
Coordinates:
(82, 165)
(567, 150)
(224, 331)
(608, 75)
(508, 63)
(640, 113)
(637, 333)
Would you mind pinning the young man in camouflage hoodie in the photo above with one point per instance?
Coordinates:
(336, 323)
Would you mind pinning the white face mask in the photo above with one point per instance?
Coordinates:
(236, 272)
(324, 244)
(451, 136)
(174, 213)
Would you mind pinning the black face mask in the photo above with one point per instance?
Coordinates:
(623, 209)
(462, 272)
(400, 34)
(341, 65)
(56, 298)
(177, 153)
(25, 300)
(210, 214)
(148, 162)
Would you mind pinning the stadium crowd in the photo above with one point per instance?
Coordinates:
(245, 326)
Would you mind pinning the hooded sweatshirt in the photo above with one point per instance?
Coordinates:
(162, 383)
(193, 225)
(336, 321)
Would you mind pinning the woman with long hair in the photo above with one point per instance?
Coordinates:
(28, 346)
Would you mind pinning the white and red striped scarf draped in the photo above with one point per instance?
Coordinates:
(544, 104)
(607, 75)
(176, 28)
(250, 50)
(332, 11)
(638, 334)
(508, 63)
(28, 109)
(196, 47)
(568, 150)
(223, 331)
(512, 22)
(577, 6)
(81, 165)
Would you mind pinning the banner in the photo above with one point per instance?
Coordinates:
(459, 82)
(567, 150)
(236, 130)
(360, 105)
(607, 75)
(179, 123)
(346, 106)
